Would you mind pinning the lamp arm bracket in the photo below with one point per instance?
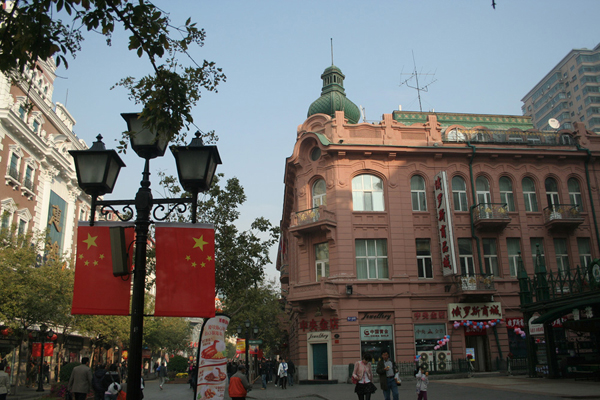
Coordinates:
(160, 205)
(179, 207)
(126, 214)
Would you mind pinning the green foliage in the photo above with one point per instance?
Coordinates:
(35, 30)
(178, 364)
(168, 334)
(65, 371)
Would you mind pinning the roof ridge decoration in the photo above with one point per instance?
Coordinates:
(333, 97)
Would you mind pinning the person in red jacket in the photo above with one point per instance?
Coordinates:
(239, 385)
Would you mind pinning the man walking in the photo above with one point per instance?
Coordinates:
(80, 381)
(162, 375)
(291, 372)
(386, 369)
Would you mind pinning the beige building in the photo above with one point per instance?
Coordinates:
(40, 190)
(569, 93)
(396, 234)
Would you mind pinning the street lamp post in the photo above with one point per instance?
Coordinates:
(42, 334)
(247, 345)
(97, 171)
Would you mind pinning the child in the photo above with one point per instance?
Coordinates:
(422, 382)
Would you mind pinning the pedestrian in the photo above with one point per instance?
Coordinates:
(282, 372)
(4, 383)
(162, 375)
(97, 382)
(46, 371)
(263, 374)
(239, 385)
(291, 372)
(362, 377)
(80, 381)
(386, 369)
(422, 382)
(111, 383)
(275, 369)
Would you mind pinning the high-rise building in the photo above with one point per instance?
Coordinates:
(40, 191)
(569, 93)
(401, 233)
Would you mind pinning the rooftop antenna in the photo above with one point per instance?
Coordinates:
(363, 113)
(331, 50)
(415, 75)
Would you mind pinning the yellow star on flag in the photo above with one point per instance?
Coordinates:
(86, 263)
(81, 256)
(188, 258)
(101, 256)
(209, 258)
(203, 265)
(91, 241)
(95, 262)
(200, 243)
(194, 264)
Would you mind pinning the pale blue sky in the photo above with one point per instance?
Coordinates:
(273, 53)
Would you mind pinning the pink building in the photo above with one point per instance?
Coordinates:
(395, 232)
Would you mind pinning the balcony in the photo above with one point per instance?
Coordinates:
(475, 283)
(490, 216)
(562, 216)
(28, 188)
(12, 178)
(313, 220)
(284, 275)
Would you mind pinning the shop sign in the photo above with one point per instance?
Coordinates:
(375, 332)
(322, 325)
(375, 316)
(512, 323)
(318, 336)
(352, 319)
(474, 311)
(471, 330)
(73, 342)
(431, 331)
(535, 329)
(426, 315)
(445, 228)
(146, 353)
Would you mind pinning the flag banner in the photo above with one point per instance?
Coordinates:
(212, 364)
(36, 349)
(240, 346)
(97, 291)
(185, 270)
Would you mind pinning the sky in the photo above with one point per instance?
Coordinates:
(479, 60)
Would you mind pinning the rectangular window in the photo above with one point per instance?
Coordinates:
(514, 248)
(22, 227)
(562, 255)
(585, 252)
(322, 260)
(530, 201)
(5, 220)
(535, 242)
(419, 202)
(424, 264)
(490, 256)
(465, 253)
(371, 259)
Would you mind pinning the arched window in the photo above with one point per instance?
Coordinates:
(552, 193)
(506, 193)
(319, 193)
(575, 194)
(529, 195)
(417, 191)
(483, 191)
(459, 194)
(367, 193)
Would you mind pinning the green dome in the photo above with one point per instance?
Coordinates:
(333, 97)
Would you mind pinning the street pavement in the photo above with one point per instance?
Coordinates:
(498, 387)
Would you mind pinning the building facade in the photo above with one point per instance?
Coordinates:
(40, 191)
(570, 93)
(398, 234)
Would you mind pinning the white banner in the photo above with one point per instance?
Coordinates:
(212, 363)
(445, 227)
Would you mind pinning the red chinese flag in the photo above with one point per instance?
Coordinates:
(97, 291)
(185, 270)
(36, 349)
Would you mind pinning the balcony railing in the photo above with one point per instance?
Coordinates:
(28, 184)
(563, 216)
(312, 215)
(511, 137)
(13, 173)
(476, 282)
(491, 215)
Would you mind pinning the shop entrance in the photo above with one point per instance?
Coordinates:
(319, 356)
(482, 354)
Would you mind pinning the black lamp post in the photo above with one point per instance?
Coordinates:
(42, 335)
(97, 177)
(246, 333)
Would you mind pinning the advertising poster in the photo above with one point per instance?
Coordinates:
(240, 346)
(212, 363)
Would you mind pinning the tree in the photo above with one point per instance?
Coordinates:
(35, 30)
(31, 294)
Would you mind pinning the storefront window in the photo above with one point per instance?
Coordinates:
(427, 336)
(374, 339)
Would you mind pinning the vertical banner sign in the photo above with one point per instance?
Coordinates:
(445, 228)
(212, 364)
(97, 291)
(57, 209)
(185, 270)
(240, 346)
